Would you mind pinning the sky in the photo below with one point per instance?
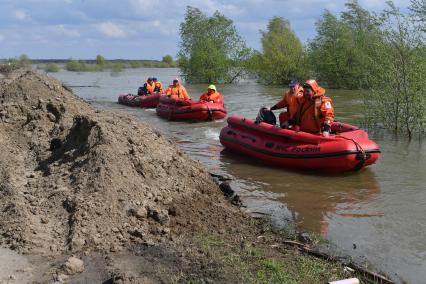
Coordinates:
(141, 29)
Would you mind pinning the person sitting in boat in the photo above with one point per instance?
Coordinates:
(290, 102)
(158, 87)
(211, 96)
(147, 88)
(315, 111)
(177, 91)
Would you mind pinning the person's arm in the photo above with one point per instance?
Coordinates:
(185, 94)
(169, 91)
(281, 104)
(327, 112)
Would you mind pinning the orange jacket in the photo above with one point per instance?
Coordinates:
(149, 87)
(312, 114)
(290, 101)
(215, 97)
(158, 87)
(178, 92)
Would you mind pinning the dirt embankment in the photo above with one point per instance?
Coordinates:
(111, 191)
(73, 179)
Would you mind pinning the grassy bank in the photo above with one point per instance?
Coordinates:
(262, 258)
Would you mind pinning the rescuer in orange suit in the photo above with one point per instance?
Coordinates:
(177, 91)
(315, 112)
(211, 95)
(157, 86)
(289, 101)
(147, 89)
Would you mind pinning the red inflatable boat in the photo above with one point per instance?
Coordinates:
(347, 148)
(150, 101)
(173, 109)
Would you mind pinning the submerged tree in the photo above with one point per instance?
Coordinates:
(210, 49)
(282, 55)
(344, 50)
(100, 60)
(418, 8)
(398, 99)
(168, 59)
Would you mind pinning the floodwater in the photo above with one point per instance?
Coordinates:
(377, 214)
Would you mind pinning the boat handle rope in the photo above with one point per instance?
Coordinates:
(210, 112)
(171, 109)
(357, 145)
(360, 149)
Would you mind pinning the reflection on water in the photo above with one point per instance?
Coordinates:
(380, 209)
(312, 197)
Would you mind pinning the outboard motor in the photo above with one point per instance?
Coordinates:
(141, 91)
(266, 115)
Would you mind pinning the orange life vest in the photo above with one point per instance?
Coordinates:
(290, 101)
(215, 97)
(158, 87)
(178, 92)
(312, 114)
(149, 87)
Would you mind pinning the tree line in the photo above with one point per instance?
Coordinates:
(96, 65)
(384, 53)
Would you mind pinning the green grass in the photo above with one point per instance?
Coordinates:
(255, 264)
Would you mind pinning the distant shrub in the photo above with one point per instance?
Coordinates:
(75, 66)
(51, 67)
(116, 67)
(136, 64)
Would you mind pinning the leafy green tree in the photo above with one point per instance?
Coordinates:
(282, 56)
(398, 99)
(100, 60)
(210, 48)
(168, 59)
(418, 8)
(343, 53)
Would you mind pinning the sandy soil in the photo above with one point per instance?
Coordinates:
(79, 181)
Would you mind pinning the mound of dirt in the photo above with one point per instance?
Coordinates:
(74, 179)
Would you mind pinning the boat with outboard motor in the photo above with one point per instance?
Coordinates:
(176, 109)
(347, 148)
(148, 101)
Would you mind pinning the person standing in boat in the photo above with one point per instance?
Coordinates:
(158, 87)
(211, 96)
(177, 91)
(315, 111)
(290, 102)
(147, 88)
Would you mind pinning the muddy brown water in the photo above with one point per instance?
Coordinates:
(376, 214)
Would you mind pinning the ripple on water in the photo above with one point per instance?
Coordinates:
(212, 134)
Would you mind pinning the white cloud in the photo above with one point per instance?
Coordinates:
(63, 31)
(156, 23)
(21, 15)
(111, 30)
(144, 7)
(1, 38)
